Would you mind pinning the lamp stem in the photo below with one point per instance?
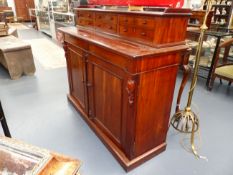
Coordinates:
(198, 55)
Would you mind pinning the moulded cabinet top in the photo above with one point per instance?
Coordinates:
(118, 45)
(157, 11)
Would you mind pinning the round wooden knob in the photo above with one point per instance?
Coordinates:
(144, 22)
(143, 34)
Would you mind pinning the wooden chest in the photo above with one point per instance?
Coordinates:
(122, 69)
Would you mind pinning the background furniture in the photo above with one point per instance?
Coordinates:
(50, 15)
(122, 69)
(218, 35)
(32, 13)
(3, 122)
(16, 56)
(22, 8)
(196, 20)
(222, 70)
(222, 13)
(8, 16)
(2, 8)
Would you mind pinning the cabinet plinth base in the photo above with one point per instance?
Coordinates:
(117, 153)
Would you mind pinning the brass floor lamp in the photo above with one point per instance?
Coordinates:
(186, 121)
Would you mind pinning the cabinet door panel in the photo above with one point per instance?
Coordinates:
(77, 74)
(107, 89)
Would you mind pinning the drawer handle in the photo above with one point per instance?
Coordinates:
(125, 30)
(110, 27)
(89, 23)
(99, 17)
(111, 18)
(144, 22)
(88, 15)
(143, 34)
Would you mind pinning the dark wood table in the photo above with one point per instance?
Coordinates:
(219, 34)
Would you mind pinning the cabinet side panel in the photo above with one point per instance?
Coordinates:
(165, 32)
(155, 94)
(108, 101)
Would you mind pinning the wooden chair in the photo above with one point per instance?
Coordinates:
(225, 69)
(4, 123)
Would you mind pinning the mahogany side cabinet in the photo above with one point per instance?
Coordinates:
(122, 69)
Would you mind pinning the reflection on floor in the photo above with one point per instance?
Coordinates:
(49, 55)
(38, 112)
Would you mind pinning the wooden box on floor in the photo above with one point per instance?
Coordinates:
(122, 69)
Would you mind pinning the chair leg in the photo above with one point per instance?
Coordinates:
(220, 81)
(212, 82)
(4, 123)
(229, 83)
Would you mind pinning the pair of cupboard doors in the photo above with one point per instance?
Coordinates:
(100, 90)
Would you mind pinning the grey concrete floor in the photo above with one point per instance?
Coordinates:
(38, 113)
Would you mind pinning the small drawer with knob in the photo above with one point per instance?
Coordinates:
(108, 27)
(111, 18)
(145, 22)
(85, 14)
(99, 16)
(112, 28)
(99, 24)
(126, 31)
(126, 20)
(144, 34)
(106, 18)
(85, 22)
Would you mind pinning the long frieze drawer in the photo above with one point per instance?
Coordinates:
(109, 56)
(85, 14)
(76, 42)
(85, 22)
(104, 17)
(126, 20)
(144, 34)
(145, 22)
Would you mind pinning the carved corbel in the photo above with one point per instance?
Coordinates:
(130, 88)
